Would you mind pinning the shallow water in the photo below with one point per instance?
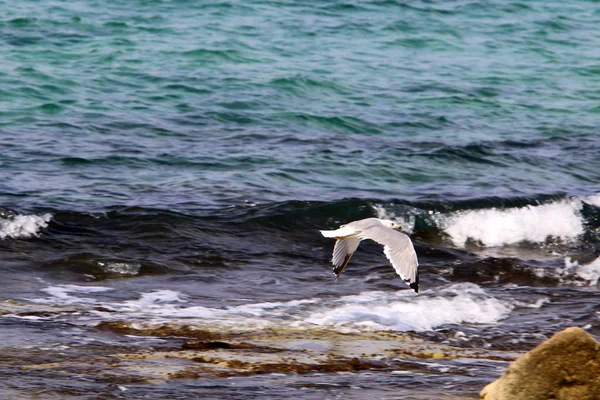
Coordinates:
(171, 162)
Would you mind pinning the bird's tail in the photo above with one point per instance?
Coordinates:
(328, 234)
(339, 233)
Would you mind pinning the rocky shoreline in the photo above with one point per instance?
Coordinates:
(565, 366)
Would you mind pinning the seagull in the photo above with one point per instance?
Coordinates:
(397, 246)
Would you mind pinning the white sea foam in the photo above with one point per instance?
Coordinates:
(460, 303)
(23, 226)
(161, 296)
(589, 273)
(120, 268)
(498, 227)
(367, 311)
(152, 302)
(259, 309)
(69, 294)
(160, 306)
(593, 200)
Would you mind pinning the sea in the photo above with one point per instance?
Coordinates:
(166, 166)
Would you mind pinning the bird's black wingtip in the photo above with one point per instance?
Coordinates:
(338, 269)
(415, 286)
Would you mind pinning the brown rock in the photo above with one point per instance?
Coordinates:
(564, 367)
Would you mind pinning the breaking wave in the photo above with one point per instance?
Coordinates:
(564, 220)
(498, 227)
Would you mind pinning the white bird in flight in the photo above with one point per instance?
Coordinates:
(397, 246)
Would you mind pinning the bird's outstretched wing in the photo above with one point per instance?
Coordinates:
(342, 253)
(399, 249)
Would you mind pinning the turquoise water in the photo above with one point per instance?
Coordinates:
(155, 102)
(192, 150)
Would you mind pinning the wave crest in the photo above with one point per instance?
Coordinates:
(496, 227)
(23, 226)
(564, 220)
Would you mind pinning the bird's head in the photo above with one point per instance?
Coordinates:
(391, 224)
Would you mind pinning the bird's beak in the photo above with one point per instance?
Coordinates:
(399, 228)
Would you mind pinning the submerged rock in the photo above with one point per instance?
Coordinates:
(564, 367)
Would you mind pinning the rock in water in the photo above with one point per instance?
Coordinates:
(564, 367)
